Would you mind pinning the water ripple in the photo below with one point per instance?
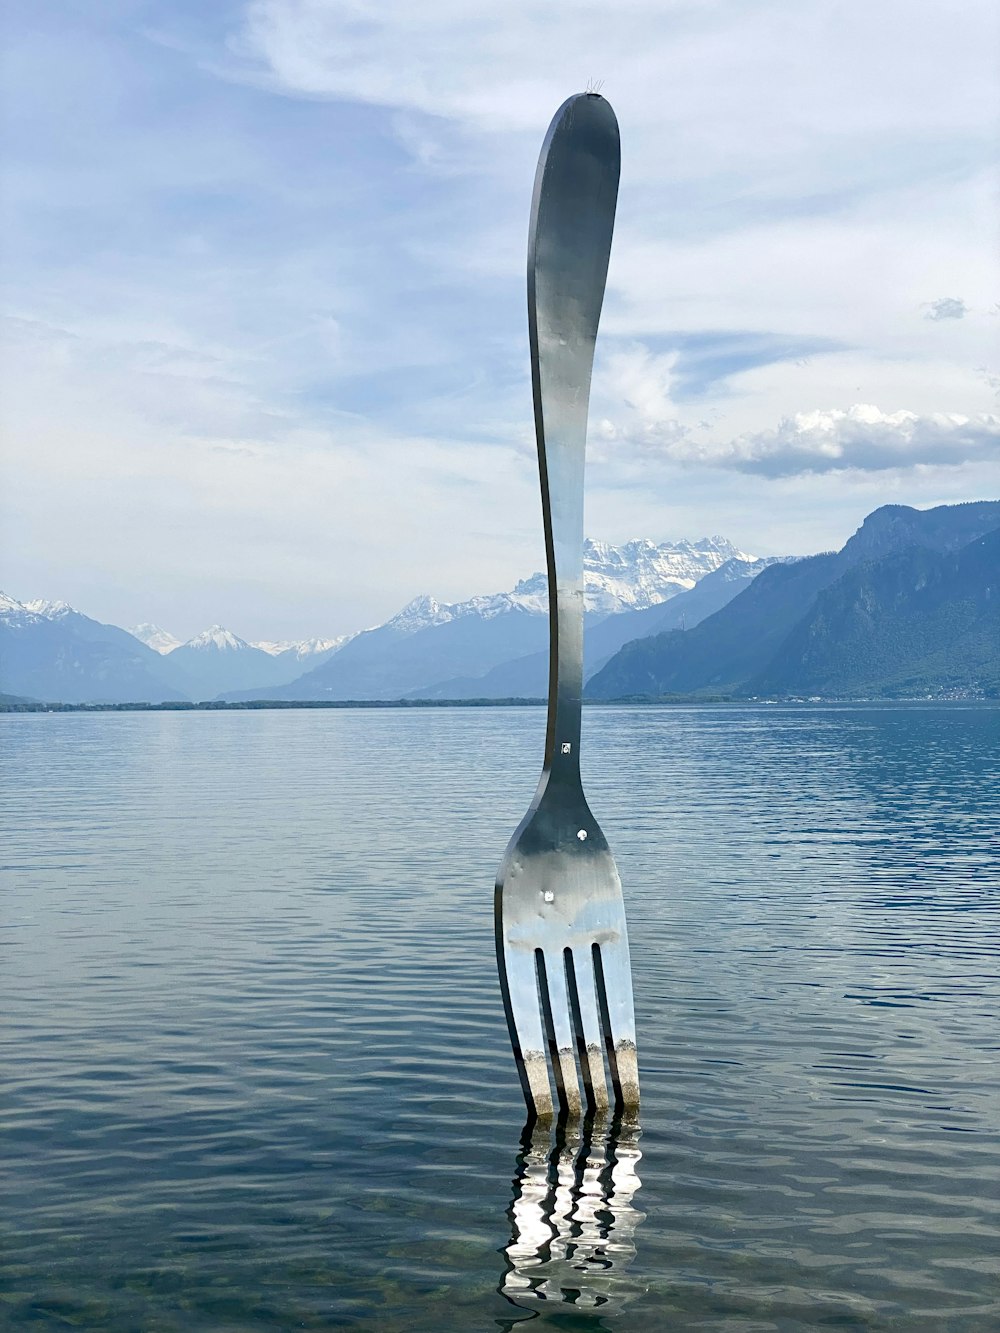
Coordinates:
(259, 1076)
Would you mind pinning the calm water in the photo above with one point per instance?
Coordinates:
(257, 1071)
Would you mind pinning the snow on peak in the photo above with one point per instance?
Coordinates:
(641, 573)
(419, 614)
(50, 610)
(23, 614)
(302, 648)
(495, 604)
(160, 640)
(273, 647)
(637, 574)
(634, 575)
(219, 639)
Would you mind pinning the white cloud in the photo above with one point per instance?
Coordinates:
(797, 514)
(863, 438)
(638, 384)
(784, 171)
(272, 360)
(859, 272)
(492, 65)
(948, 307)
(144, 477)
(720, 65)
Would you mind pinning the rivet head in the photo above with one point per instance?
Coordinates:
(549, 896)
(582, 835)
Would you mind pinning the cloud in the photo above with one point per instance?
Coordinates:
(273, 358)
(500, 64)
(862, 438)
(638, 384)
(154, 475)
(948, 307)
(491, 65)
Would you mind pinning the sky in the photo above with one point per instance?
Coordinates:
(265, 347)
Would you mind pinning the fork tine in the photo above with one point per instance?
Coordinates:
(587, 1021)
(555, 1005)
(613, 974)
(518, 981)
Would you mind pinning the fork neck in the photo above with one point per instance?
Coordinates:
(561, 466)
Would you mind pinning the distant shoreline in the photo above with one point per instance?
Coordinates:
(678, 701)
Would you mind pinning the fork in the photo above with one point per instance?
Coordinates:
(562, 944)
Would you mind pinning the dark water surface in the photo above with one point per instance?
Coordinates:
(257, 1074)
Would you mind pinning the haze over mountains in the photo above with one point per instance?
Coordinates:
(527, 677)
(909, 606)
(450, 650)
(50, 652)
(41, 653)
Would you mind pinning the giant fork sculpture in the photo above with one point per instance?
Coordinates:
(562, 946)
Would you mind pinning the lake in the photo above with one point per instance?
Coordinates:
(257, 1074)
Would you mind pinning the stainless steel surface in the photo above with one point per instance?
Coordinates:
(562, 945)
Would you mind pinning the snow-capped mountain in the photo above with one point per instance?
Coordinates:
(50, 652)
(217, 661)
(425, 612)
(50, 610)
(429, 642)
(307, 651)
(160, 640)
(12, 610)
(527, 677)
(641, 574)
(616, 578)
(420, 614)
(217, 639)
(425, 644)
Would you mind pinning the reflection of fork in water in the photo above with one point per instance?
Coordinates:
(572, 1217)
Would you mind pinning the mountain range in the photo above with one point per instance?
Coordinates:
(909, 606)
(435, 650)
(51, 652)
(527, 677)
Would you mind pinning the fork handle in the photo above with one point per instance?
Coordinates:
(569, 243)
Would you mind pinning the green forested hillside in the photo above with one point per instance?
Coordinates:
(915, 622)
(908, 606)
